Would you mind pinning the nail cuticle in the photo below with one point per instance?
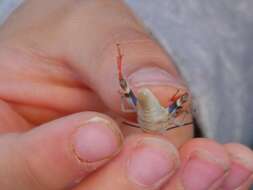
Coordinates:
(108, 124)
(155, 184)
(217, 183)
(242, 161)
(238, 175)
(83, 140)
(160, 144)
(249, 180)
(153, 151)
(207, 156)
(202, 165)
(154, 76)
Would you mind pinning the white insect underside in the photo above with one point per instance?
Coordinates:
(151, 116)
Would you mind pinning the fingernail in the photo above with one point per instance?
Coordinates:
(154, 76)
(201, 171)
(238, 174)
(152, 162)
(96, 140)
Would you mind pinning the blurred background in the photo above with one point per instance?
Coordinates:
(211, 43)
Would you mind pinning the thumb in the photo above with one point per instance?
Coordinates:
(93, 54)
(144, 63)
(85, 42)
(88, 47)
(59, 154)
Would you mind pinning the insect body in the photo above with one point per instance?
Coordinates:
(151, 116)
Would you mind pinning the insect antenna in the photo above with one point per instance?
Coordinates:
(128, 93)
(177, 126)
(119, 62)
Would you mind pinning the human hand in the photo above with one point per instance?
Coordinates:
(60, 59)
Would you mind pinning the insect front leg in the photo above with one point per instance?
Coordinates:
(123, 105)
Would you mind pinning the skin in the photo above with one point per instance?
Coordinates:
(55, 64)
